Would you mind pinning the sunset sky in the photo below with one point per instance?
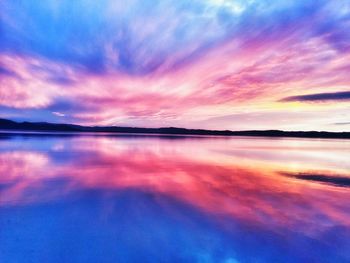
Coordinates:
(212, 64)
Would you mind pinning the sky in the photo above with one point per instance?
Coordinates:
(212, 64)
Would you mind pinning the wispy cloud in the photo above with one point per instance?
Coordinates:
(59, 114)
(332, 96)
(342, 123)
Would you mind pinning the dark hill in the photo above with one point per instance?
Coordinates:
(53, 127)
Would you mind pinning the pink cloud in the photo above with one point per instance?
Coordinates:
(217, 84)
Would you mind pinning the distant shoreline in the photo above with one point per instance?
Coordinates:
(43, 127)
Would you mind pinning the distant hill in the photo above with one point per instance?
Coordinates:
(54, 127)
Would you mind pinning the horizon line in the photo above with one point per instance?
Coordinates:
(6, 124)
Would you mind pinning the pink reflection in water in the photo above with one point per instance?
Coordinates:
(238, 178)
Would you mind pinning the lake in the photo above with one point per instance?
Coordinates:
(132, 198)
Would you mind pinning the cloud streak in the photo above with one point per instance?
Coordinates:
(333, 96)
(342, 123)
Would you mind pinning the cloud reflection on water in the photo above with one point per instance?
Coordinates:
(214, 199)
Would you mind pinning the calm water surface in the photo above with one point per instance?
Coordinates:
(173, 199)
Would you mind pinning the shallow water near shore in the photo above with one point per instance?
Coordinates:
(103, 198)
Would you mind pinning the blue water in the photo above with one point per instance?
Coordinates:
(173, 199)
